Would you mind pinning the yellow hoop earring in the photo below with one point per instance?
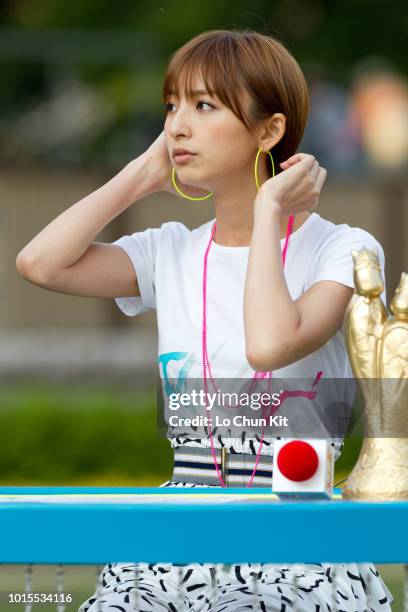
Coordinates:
(256, 165)
(173, 178)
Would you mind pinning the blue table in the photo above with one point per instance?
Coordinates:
(259, 530)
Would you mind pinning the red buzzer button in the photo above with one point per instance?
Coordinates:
(297, 460)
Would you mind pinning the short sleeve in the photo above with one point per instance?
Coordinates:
(141, 248)
(335, 261)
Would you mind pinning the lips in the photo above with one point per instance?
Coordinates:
(180, 151)
(182, 158)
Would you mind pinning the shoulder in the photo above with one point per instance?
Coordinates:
(176, 238)
(331, 239)
(333, 246)
(176, 229)
(164, 236)
(169, 236)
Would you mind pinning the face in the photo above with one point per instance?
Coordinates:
(223, 148)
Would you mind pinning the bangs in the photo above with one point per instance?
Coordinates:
(203, 62)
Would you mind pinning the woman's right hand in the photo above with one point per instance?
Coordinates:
(160, 170)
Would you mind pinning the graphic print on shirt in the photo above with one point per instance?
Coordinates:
(186, 362)
(180, 364)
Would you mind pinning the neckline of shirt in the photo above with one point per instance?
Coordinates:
(241, 249)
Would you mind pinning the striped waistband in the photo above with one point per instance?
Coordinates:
(196, 465)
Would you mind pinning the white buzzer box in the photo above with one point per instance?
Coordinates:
(303, 469)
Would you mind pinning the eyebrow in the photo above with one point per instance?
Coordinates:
(194, 92)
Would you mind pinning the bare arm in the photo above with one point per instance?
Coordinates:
(278, 330)
(63, 258)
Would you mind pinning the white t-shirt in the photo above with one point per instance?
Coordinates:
(168, 262)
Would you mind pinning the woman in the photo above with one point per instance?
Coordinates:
(229, 96)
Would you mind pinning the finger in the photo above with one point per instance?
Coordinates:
(321, 177)
(294, 159)
(289, 163)
(301, 157)
(303, 166)
(314, 171)
(307, 161)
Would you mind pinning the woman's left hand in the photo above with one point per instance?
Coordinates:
(297, 188)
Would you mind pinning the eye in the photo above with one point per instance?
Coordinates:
(203, 102)
(169, 104)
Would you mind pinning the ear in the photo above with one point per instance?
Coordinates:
(272, 131)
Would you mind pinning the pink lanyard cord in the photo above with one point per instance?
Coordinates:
(206, 361)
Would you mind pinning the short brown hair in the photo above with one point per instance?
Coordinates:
(232, 61)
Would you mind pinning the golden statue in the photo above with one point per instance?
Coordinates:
(378, 352)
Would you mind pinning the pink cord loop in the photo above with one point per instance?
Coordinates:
(206, 361)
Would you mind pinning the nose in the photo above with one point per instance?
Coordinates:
(179, 123)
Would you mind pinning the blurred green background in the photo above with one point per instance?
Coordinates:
(60, 434)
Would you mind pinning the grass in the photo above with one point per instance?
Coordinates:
(96, 434)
